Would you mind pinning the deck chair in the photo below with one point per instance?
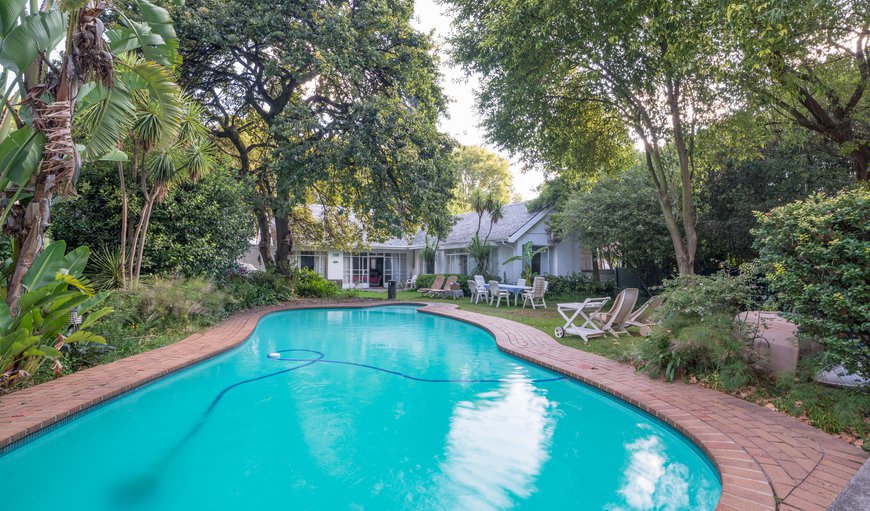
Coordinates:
(642, 317)
(535, 296)
(614, 321)
(447, 285)
(436, 284)
(495, 292)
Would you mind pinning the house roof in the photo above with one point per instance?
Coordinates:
(516, 220)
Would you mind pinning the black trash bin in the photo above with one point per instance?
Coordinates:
(391, 290)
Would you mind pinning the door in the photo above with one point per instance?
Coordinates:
(376, 271)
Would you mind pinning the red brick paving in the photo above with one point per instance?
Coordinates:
(767, 460)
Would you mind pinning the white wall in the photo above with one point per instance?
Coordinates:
(565, 257)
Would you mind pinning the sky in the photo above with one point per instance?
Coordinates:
(463, 121)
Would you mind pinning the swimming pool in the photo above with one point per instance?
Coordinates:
(381, 408)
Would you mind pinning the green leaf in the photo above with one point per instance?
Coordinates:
(107, 115)
(37, 33)
(75, 261)
(160, 22)
(5, 318)
(94, 316)
(115, 155)
(20, 155)
(10, 10)
(46, 266)
(138, 74)
(85, 336)
(32, 298)
(137, 36)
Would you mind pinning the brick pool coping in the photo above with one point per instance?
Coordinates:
(766, 460)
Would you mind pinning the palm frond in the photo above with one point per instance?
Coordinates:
(106, 115)
(141, 75)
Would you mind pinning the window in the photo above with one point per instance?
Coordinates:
(374, 268)
(315, 261)
(457, 261)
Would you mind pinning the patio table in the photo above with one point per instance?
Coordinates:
(514, 290)
(584, 310)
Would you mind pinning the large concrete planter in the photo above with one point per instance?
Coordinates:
(776, 340)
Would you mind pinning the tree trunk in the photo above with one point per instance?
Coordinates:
(124, 208)
(265, 244)
(685, 264)
(596, 272)
(861, 157)
(146, 215)
(690, 242)
(35, 222)
(283, 241)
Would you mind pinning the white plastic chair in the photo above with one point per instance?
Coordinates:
(535, 296)
(496, 294)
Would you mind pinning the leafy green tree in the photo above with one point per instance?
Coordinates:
(619, 218)
(38, 147)
(806, 61)
(733, 189)
(479, 170)
(200, 229)
(566, 83)
(815, 254)
(333, 102)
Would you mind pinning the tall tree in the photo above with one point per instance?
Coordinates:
(336, 102)
(567, 82)
(479, 170)
(808, 61)
(38, 149)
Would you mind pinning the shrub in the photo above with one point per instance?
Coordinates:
(815, 255)
(577, 283)
(698, 334)
(169, 302)
(257, 289)
(310, 284)
(697, 297)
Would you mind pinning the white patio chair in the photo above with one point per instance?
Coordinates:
(521, 282)
(481, 284)
(411, 282)
(496, 294)
(535, 296)
(476, 293)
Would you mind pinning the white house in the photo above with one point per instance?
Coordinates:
(398, 258)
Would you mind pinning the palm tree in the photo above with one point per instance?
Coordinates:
(39, 155)
(184, 156)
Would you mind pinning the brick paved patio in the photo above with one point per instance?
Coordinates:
(767, 460)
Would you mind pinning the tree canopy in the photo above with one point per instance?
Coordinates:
(480, 170)
(568, 83)
(335, 103)
(807, 62)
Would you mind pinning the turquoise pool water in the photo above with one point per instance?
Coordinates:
(333, 435)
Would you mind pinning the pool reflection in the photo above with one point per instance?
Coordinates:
(652, 481)
(496, 446)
